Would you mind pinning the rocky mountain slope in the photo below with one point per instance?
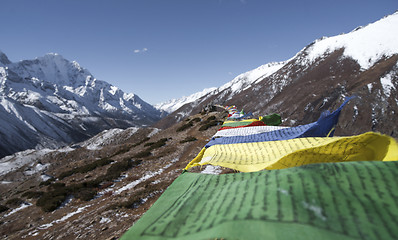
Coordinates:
(362, 63)
(100, 187)
(50, 101)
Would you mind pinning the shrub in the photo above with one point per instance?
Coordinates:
(66, 174)
(14, 202)
(188, 139)
(124, 149)
(58, 192)
(143, 154)
(112, 207)
(94, 165)
(151, 146)
(135, 200)
(158, 144)
(184, 127)
(141, 142)
(55, 186)
(50, 201)
(86, 194)
(209, 119)
(167, 151)
(116, 169)
(3, 208)
(208, 125)
(86, 168)
(197, 119)
(105, 185)
(32, 194)
(147, 190)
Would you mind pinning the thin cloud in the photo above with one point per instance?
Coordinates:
(140, 50)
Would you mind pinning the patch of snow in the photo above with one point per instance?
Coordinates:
(143, 200)
(66, 202)
(98, 140)
(156, 182)
(34, 169)
(113, 90)
(387, 84)
(147, 176)
(64, 218)
(65, 149)
(370, 87)
(33, 233)
(154, 131)
(103, 192)
(105, 220)
(17, 160)
(210, 169)
(119, 179)
(45, 177)
(23, 205)
(137, 105)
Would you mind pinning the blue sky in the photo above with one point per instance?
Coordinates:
(164, 49)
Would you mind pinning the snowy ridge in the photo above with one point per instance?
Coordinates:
(238, 84)
(16, 161)
(106, 137)
(366, 45)
(174, 104)
(244, 80)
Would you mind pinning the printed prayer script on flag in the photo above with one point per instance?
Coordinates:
(351, 200)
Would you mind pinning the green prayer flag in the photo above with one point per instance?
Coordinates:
(272, 120)
(350, 200)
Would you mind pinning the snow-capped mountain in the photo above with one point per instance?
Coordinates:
(183, 106)
(239, 83)
(363, 62)
(174, 104)
(52, 101)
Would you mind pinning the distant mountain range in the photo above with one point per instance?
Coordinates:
(363, 62)
(50, 102)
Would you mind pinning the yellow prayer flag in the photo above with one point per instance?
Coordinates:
(251, 157)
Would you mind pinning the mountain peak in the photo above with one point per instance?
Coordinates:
(51, 99)
(366, 45)
(4, 59)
